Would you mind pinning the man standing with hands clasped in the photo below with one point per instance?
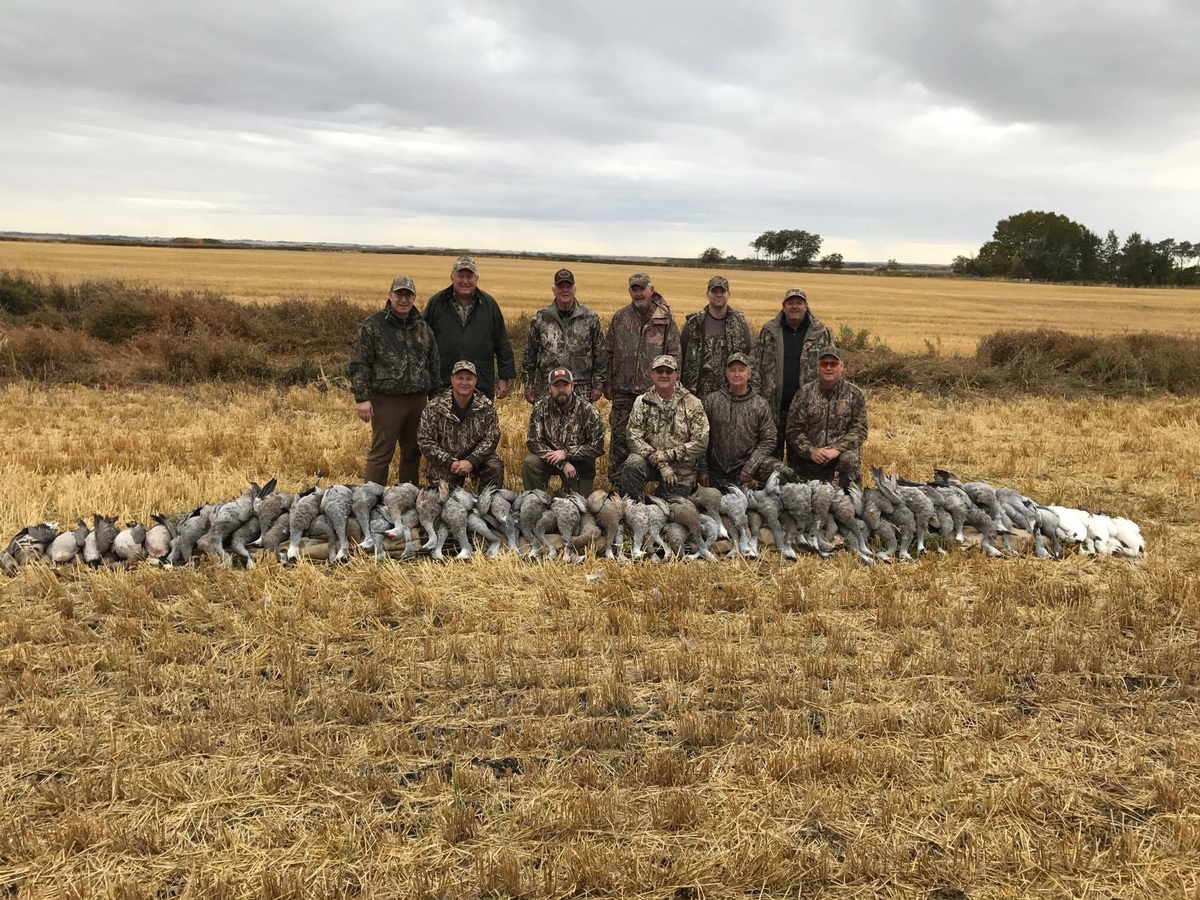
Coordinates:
(394, 364)
(709, 337)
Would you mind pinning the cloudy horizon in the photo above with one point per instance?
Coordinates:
(903, 131)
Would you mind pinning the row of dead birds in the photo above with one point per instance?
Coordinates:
(894, 519)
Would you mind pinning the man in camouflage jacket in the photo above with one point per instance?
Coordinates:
(565, 334)
(741, 431)
(394, 364)
(785, 356)
(827, 424)
(668, 435)
(460, 432)
(565, 438)
(636, 335)
(707, 339)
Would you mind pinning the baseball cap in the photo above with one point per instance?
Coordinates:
(737, 357)
(834, 352)
(403, 283)
(564, 275)
(795, 292)
(464, 365)
(464, 262)
(640, 279)
(718, 281)
(560, 374)
(665, 360)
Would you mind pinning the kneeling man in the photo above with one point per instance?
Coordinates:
(668, 435)
(741, 431)
(565, 438)
(827, 423)
(460, 431)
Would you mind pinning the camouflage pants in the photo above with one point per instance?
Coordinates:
(638, 471)
(489, 471)
(849, 462)
(536, 473)
(618, 423)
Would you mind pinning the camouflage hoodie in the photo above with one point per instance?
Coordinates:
(742, 432)
(634, 340)
(768, 357)
(702, 370)
(443, 437)
(576, 342)
(821, 418)
(393, 355)
(578, 429)
(677, 426)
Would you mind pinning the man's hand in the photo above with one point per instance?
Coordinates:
(568, 470)
(555, 457)
(608, 391)
(666, 474)
(595, 394)
(703, 481)
(659, 457)
(528, 395)
(501, 388)
(461, 468)
(745, 478)
(823, 455)
(365, 410)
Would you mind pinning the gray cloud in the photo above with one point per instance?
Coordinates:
(881, 126)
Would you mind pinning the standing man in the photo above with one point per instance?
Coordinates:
(707, 339)
(637, 334)
(460, 431)
(786, 356)
(668, 435)
(394, 364)
(827, 424)
(566, 334)
(468, 324)
(741, 431)
(565, 438)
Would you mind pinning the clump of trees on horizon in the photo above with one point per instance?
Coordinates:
(1047, 246)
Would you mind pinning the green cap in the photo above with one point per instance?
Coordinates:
(795, 292)
(737, 357)
(403, 283)
(832, 351)
(639, 279)
(464, 262)
(718, 281)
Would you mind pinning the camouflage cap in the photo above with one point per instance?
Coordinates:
(564, 275)
(718, 281)
(639, 279)
(560, 374)
(665, 360)
(464, 365)
(464, 262)
(834, 352)
(736, 358)
(795, 292)
(403, 283)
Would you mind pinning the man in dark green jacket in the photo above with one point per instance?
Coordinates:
(468, 324)
(394, 365)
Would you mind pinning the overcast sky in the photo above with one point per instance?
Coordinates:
(896, 128)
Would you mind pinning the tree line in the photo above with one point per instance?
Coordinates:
(1047, 246)
(788, 247)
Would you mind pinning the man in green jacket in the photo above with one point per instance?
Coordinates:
(785, 356)
(741, 431)
(827, 424)
(394, 364)
(468, 324)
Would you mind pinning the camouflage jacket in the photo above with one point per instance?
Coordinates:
(677, 426)
(391, 355)
(768, 357)
(576, 342)
(820, 418)
(632, 342)
(741, 432)
(443, 438)
(578, 429)
(702, 369)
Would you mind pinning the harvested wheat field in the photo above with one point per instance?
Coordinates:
(955, 728)
(906, 313)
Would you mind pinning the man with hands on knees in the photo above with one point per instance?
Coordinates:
(460, 432)
(668, 435)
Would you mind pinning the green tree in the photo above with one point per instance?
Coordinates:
(832, 261)
(1042, 246)
(712, 255)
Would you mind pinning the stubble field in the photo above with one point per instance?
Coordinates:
(955, 728)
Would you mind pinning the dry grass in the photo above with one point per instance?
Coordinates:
(904, 312)
(955, 728)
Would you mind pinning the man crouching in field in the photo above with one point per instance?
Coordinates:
(668, 434)
(827, 424)
(460, 431)
(566, 437)
(394, 364)
(741, 431)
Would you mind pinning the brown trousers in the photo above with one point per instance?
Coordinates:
(394, 419)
